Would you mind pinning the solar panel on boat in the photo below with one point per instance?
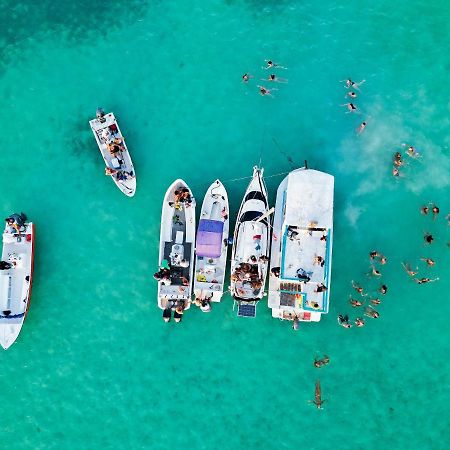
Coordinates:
(246, 310)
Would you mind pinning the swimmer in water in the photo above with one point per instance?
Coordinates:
(430, 262)
(425, 280)
(411, 151)
(375, 301)
(428, 238)
(355, 303)
(374, 272)
(383, 259)
(357, 288)
(361, 128)
(263, 91)
(351, 84)
(395, 172)
(351, 108)
(343, 321)
(272, 65)
(275, 79)
(321, 362)
(374, 254)
(424, 210)
(372, 313)
(435, 211)
(383, 289)
(397, 159)
(246, 77)
(351, 94)
(359, 322)
(409, 270)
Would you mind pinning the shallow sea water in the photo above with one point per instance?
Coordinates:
(94, 366)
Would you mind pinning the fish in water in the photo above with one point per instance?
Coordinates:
(318, 396)
(321, 362)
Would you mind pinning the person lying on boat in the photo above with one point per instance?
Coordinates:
(5, 265)
(167, 314)
(319, 261)
(16, 221)
(114, 148)
(321, 288)
(163, 274)
(109, 171)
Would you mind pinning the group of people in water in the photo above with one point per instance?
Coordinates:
(353, 92)
(398, 160)
(272, 78)
(428, 240)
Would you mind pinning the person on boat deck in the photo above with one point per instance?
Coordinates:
(16, 221)
(321, 288)
(275, 271)
(263, 258)
(319, 261)
(167, 315)
(302, 275)
(252, 259)
(109, 171)
(4, 265)
(114, 148)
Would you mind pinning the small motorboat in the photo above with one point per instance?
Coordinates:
(114, 150)
(176, 250)
(16, 276)
(251, 244)
(211, 246)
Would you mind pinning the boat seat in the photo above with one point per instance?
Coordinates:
(115, 163)
(179, 237)
(5, 292)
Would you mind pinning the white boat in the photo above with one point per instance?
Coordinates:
(250, 251)
(212, 244)
(176, 247)
(300, 274)
(119, 165)
(16, 281)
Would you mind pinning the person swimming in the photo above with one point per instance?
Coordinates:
(383, 289)
(351, 107)
(272, 65)
(361, 128)
(429, 261)
(321, 362)
(428, 238)
(343, 321)
(435, 211)
(275, 79)
(264, 91)
(424, 210)
(375, 301)
(409, 270)
(372, 313)
(349, 83)
(425, 280)
(374, 272)
(359, 322)
(357, 288)
(355, 303)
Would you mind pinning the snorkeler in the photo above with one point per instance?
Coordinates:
(263, 91)
(409, 270)
(272, 65)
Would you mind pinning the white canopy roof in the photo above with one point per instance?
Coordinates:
(309, 201)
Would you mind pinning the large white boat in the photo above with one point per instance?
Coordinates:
(212, 244)
(300, 274)
(111, 143)
(16, 279)
(250, 251)
(176, 248)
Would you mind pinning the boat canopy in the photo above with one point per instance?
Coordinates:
(309, 202)
(209, 238)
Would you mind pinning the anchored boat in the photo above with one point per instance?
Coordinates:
(111, 143)
(176, 250)
(212, 245)
(300, 274)
(250, 251)
(16, 277)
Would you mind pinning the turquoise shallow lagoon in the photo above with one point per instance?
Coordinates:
(95, 366)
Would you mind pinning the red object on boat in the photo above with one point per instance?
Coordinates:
(28, 237)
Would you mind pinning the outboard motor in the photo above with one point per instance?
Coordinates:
(100, 115)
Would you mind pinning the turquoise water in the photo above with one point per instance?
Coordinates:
(95, 366)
